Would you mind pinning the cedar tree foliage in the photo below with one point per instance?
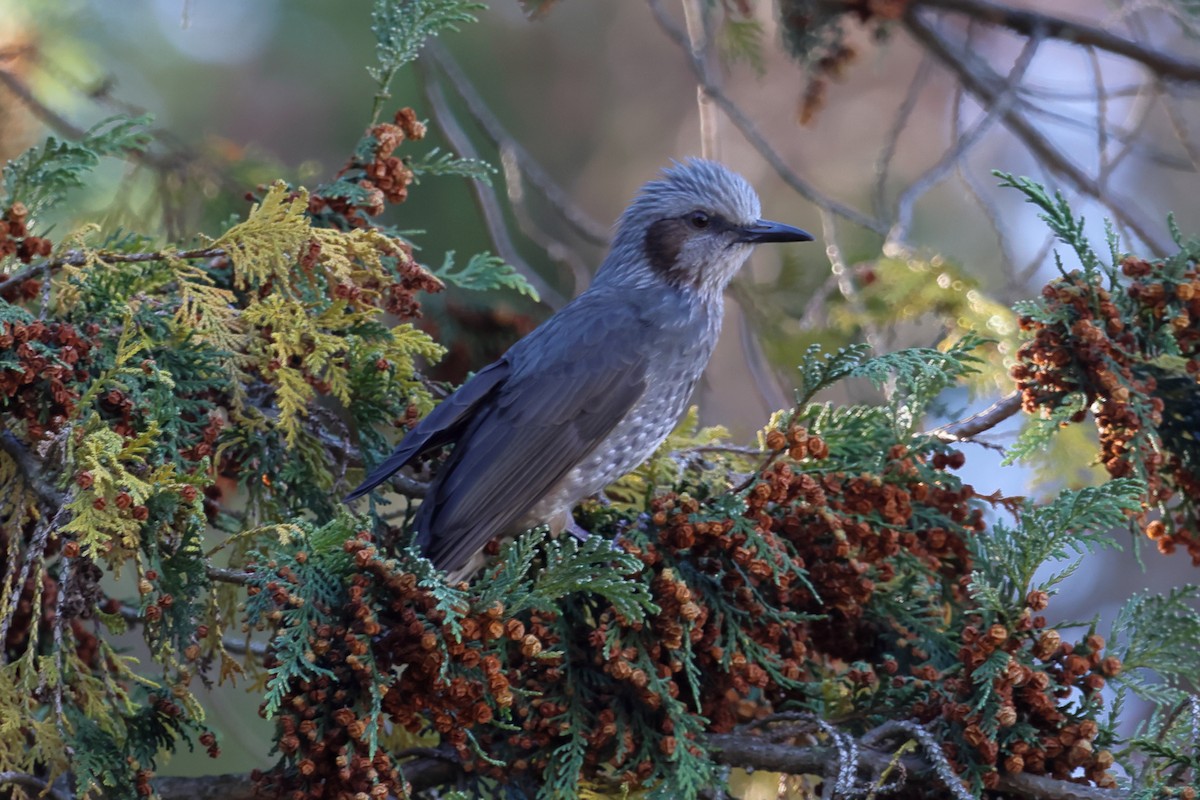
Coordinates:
(179, 419)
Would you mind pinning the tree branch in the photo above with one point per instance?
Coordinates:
(222, 575)
(963, 143)
(584, 225)
(990, 417)
(31, 783)
(28, 466)
(1026, 22)
(78, 258)
(875, 753)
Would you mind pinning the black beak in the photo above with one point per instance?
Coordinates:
(765, 231)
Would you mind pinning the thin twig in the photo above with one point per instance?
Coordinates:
(68, 129)
(556, 250)
(740, 749)
(845, 281)
(883, 162)
(31, 783)
(1023, 277)
(766, 382)
(963, 429)
(78, 258)
(1178, 127)
(29, 468)
(43, 112)
(696, 19)
(963, 143)
(753, 476)
(751, 133)
(485, 196)
(584, 225)
(1130, 138)
(971, 182)
(237, 647)
(1101, 115)
(222, 575)
(740, 450)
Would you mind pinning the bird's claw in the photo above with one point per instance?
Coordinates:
(583, 534)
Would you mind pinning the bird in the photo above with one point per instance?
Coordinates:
(589, 394)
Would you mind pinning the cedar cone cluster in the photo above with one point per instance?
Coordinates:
(15, 238)
(826, 521)
(1042, 672)
(804, 543)
(1103, 344)
(51, 360)
(384, 177)
(453, 677)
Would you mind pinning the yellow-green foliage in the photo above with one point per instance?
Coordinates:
(264, 250)
(103, 526)
(300, 332)
(207, 311)
(17, 505)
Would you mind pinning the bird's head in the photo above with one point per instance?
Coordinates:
(694, 227)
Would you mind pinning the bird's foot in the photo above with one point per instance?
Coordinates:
(577, 530)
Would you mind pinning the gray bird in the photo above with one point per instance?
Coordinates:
(590, 393)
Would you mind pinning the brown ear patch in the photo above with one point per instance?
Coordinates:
(664, 241)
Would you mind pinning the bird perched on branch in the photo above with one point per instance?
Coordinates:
(590, 393)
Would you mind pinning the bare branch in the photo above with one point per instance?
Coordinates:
(1025, 22)
(424, 772)
(485, 196)
(990, 417)
(742, 749)
(78, 258)
(963, 143)
(695, 14)
(766, 382)
(206, 787)
(883, 162)
(28, 466)
(556, 250)
(986, 85)
(47, 115)
(222, 575)
(735, 449)
(238, 647)
(32, 784)
(584, 225)
(873, 758)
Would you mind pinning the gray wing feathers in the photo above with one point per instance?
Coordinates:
(567, 393)
(510, 459)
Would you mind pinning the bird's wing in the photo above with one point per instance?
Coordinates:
(570, 389)
(441, 426)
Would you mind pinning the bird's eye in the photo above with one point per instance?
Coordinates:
(698, 220)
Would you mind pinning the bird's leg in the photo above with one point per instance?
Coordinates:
(575, 529)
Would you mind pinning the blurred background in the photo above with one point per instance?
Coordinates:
(875, 124)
